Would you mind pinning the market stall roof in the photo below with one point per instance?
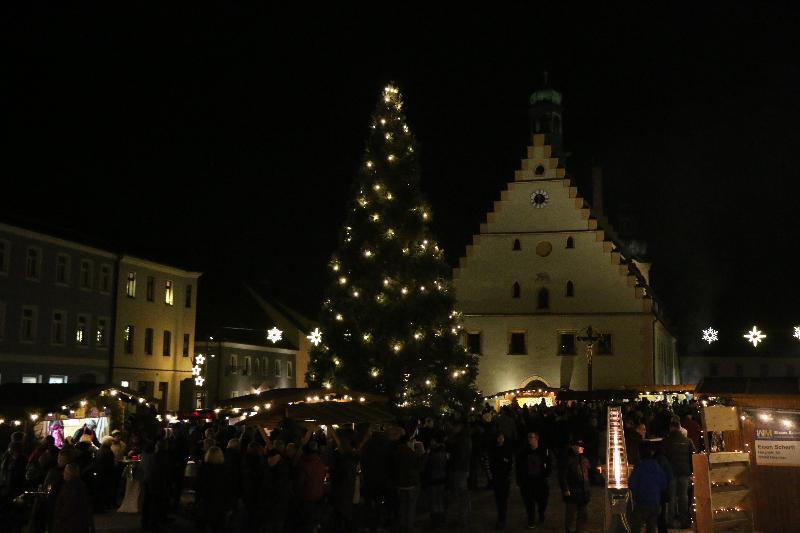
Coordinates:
(597, 394)
(668, 389)
(333, 412)
(522, 390)
(767, 386)
(279, 397)
(22, 399)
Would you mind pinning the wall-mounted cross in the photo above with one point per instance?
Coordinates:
(590, 339)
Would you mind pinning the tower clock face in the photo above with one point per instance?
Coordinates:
(539, 198)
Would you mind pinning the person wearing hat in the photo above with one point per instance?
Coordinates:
(87, 433)
(573, 477)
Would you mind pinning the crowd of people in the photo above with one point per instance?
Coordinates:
(361, 478)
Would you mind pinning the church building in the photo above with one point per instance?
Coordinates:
(545, 268)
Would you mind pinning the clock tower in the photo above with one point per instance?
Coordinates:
(545, 115)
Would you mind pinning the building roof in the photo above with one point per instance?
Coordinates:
(720, 386)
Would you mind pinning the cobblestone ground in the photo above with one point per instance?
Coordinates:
(482, 517)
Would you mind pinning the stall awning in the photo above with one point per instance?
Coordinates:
(327, 413)
(767, 386)
(279, 397)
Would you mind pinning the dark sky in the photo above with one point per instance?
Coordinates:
(225, 139)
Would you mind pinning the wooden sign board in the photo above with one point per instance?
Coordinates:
(720, 418)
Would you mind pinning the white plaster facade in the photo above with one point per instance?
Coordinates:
(609, 293)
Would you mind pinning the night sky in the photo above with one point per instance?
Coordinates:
(226, 140)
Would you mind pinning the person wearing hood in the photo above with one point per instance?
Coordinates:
(501, 458)
(647, 483)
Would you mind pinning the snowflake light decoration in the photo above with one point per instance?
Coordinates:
(200, 359)
(710, 335)
(199, 380)
(315, 337)
(796, 333)
(755, 336)
(274, 335)
(196, 370)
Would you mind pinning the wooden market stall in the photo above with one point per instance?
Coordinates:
(750, 479)
(33, 407)
(267, 409)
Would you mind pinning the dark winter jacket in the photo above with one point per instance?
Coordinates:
(647, 482)
(408, 465)
(678, 450)
(213, 494)
(276, 487)
(310, 478)
(574, 477)
(533, 466)
(436, 466)
(459, 447)
(73, 508)
(501, 459)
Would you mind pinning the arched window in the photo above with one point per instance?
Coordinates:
(570, 289)
(517, 246)
(516, 290)
(539, 170)
(543, 300)
(570, 242)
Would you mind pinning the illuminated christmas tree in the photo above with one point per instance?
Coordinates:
(388, 321)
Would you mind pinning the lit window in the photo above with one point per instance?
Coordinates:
(130, 287)
(128, 338)
(169, 296)
(125, 383)
(57, 379)
(81, 330)
(100, 336)
(31, 378)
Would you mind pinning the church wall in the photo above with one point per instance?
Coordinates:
(630, 364)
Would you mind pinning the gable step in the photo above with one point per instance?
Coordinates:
(599, 235)
(615, 257)
(585, 214)
(498, 205)
(573, 192)
(470, 250)
(579, 202)
(593, 225)
(608, 247)
(484, 228)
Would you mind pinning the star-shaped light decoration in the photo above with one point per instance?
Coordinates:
(196, 370)
(796, 333)
(199, 380)
(710, 335)
(200, 359)
(274, 335)
(755, 336)
(315, 337)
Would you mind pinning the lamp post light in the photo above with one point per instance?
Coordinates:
(590, 339)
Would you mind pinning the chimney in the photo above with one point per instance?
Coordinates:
(597, 189)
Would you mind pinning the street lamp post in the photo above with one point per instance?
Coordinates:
(590, 339)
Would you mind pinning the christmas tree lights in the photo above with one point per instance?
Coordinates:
(387, 290)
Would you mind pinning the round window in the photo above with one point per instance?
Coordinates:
(544, 248)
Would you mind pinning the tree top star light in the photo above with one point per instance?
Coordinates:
(755, 336)
(315, 337)
(710, 335)
(274, 335)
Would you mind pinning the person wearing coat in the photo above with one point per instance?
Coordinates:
(276, 492)
(533, 469)
(213, 492)
(73, 510)
(501, 459)
(574, 480)
(647, 483)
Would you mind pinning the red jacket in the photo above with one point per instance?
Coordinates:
(310, 478)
